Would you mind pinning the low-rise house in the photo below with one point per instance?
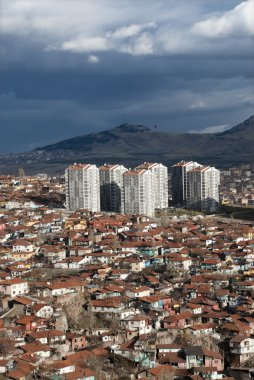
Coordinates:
(14, 287)
(42, 310)
(49, 337)
(31, 323)
(181, 320)
(111, 337)
(194, 356)
(241, 348)
(137, 265)
(194, 308)
(202, 329)
(114, 307)
(155, 301)
(168, 348)
(22, 245)
(22, 304)
(213, 359)
(63, 367)
(173, 359)
(120, 274)
(76, 341)
(138, 292)
(139, 323)
(21, 370)
(6, 365)
(53, 253)
(76, 262)
(234, 328)
(180, 263)
(41, 350)
(62, 288)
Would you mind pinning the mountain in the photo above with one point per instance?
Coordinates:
(132, 144)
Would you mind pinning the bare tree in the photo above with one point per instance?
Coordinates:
(95, 363)
(165, 220)
(115, 244)
(6, 344)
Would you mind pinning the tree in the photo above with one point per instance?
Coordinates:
(171, 268)
(6, 344)
(95, 363)
(115, 325)
(115, 244)
(206, 341)
(76, 315)
(91, 234)
(44, 371)
(165, 220)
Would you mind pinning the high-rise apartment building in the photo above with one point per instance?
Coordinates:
(82, 187)
(179, 181)
(203, 188)
(159, 183)
(138, 192)
(111, 188)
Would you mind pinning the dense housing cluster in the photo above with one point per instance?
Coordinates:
(237, 186)
(94, 295)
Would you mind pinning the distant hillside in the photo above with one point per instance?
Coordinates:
(131, 144)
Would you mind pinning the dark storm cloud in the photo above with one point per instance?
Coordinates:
(180, 73)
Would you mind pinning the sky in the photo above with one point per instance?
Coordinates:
(72, 67)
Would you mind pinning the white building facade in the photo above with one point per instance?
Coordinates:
(203, 189)
(112, 188)
(160, 183)
(14, 287)
(179, 181)
(82, 187)
(138, 192)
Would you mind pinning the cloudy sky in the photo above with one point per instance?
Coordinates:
(71, 67)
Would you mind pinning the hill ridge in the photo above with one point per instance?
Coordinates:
(130, 144)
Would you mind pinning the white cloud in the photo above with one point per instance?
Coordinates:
(212, 129)
(51, 47)
(84, 45)
(161, 27)
(198, 104)
(247, 99)
(92, 58)
(238, 21)
(129, 30)
(142, 45)
(130, 39)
